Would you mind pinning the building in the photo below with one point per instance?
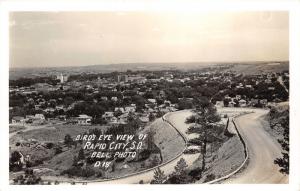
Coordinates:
(84, 120)
(130, 109)
(108, 115)
(121, 109)
(62, 78)
(103, 98)
(242, 103)
(219, 103)
(231, 104)
(17, 120)
(153, 101)
(254, 102)
(114, 99)
(39, 116)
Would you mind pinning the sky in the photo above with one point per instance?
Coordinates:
(50, 39)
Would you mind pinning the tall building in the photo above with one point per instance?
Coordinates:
(62, 78)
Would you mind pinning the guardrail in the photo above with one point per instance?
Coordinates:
(176, 157)
(245, 152)
(140, 172)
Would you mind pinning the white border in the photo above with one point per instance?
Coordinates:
(291, 6)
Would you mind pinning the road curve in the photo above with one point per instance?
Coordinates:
(177, 119)
(262, 148)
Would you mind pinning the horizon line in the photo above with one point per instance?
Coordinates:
(124, 63)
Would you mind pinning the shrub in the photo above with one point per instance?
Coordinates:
(209, 177)
(79, 172)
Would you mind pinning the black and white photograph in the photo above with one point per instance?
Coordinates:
(148, 97)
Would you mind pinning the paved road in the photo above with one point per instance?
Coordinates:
(178, 120)
(263, 149)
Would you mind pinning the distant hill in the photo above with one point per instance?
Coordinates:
(257, 68)
(243, 67)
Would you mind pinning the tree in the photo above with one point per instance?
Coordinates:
(15, 161)
(68, 100)
(205, 125)
(155, 161)
(81, 154)
(28, 178)
(180, 176)
(284, 161)
(68, 140)
(150, 140)
(159, 177)
(180, 167)
(151, 117)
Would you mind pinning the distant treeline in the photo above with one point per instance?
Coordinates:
(25, 82)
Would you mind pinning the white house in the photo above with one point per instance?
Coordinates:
(130, 109)
(114, 99)
(119, 109)
(108, 115)
(231, 104)
(219, 103)
(39, 116)
(242, 103)
(84, 120)
(152, 101)
(17, 120)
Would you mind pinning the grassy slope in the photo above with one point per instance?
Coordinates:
(167, 139)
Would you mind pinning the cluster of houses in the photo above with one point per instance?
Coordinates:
(34, 119)
(237, 101)
(124, 81)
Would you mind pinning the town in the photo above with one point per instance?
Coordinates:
(50, 115)
(87, 99)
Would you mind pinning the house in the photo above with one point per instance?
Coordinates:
(114, 99)
(253, 102)
(113, 120)
(84, 120)
(271, 88)
(18, 120)
(59, 107)
(104, 98)
(62, 117)
(162, 94)
(121, 109)
(108, 115)
(167, 103)
(264, 102)
(227, 97)
(171, 108)
(49, 110)
(144, 119)
(271, 104)
(152, 101)
(242, 103)
(29, 118)
(39, 116)
(231, 104)
(219, 103)
(130, 109)
(123, 118)
(37, 107)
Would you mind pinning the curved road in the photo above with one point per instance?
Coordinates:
(175, 118)
(178, 120)
(262, 148)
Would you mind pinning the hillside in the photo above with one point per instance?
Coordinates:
(243, 67)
